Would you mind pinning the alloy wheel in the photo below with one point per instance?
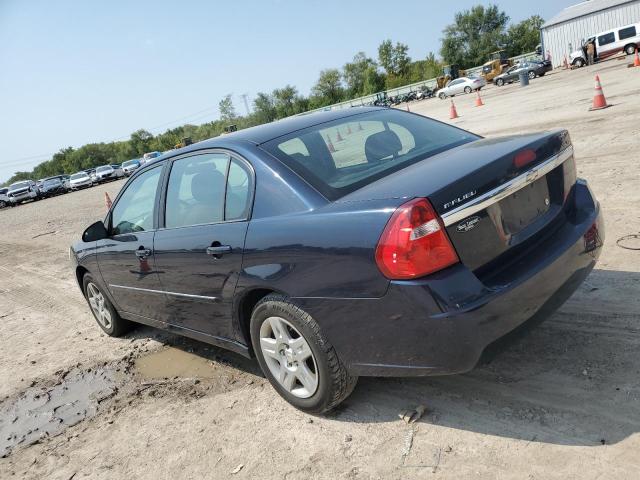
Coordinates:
(289, 357)
(98, 305)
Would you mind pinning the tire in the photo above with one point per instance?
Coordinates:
(630, 49)
(532, 75)
(442, 96)
(3, 204)
(579, 62)
(499, 82)
(468, 89)
(117, 326)
(327, 380)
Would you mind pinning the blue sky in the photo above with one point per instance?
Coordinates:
(74, 72)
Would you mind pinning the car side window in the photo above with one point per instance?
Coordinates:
(238, 200)
(196, 190)
(133, 211)
(607, 38)
(627, 32)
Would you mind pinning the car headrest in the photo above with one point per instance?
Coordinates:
(207, 186)
(382, 145)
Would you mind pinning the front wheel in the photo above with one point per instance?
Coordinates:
(499, 82)
(630, 49)
(532, 75)
(442, 96)
(467, 89)
(103, 311)
(300, 363)
(579, 62)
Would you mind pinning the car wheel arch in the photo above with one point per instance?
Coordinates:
(80, 273)
(244, 309)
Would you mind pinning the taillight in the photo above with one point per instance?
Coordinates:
(414, 243)
(524, 158)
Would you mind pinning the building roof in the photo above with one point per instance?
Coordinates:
(584, 8)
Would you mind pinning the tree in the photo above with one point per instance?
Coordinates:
(328, 89)
(286, 101)
(524, 37)
(139, 143)
(227, 110)
(394, 59)
(474, 35)
(356, 74)
(264, 109)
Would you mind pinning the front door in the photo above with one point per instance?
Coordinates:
(125, 258)
(198, 253)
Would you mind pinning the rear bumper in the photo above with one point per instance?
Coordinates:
(441, 324)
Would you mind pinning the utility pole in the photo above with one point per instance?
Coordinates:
(246, 103)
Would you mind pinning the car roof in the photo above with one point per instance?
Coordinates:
(268, 131)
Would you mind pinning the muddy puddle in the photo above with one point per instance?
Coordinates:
(173, 362)
(41, 412)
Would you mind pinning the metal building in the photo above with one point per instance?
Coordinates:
(564, 33)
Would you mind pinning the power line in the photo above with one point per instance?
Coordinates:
(198, 115)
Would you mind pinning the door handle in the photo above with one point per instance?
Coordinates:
(218, 250)
(143, 253)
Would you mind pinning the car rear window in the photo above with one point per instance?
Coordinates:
(341, 156)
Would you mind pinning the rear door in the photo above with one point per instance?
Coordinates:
(125, 258)
(199, 251)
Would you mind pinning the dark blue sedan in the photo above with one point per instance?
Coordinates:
(368, 241)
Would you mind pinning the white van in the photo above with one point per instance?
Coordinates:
(610, 42)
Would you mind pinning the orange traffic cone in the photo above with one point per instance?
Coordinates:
(479, 100)
(332, 149)
(452, 112)
(107, 201)
(339, 137)
(636, 61)
(599, 102)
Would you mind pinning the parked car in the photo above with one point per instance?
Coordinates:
(147, 157)
(405, 252)
(610, 42)
(532, 68)
(20, 192)
(80, 180)
(52, 186)
(4, 198)
(92, 173)
(119, 173)
(105, 173)
(130, 166)
(461, 85)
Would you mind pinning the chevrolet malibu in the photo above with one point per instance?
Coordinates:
(364, 242)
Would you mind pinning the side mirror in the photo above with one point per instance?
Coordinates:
(96, 231)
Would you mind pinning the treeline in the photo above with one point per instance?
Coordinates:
(467, 42)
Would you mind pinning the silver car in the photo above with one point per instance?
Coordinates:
(461, 85)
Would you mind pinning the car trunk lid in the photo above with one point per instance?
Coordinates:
(494, 195)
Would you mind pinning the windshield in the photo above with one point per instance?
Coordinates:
(18, 185)
(339, 157)
(78, 176)
(130, 162)
(52, 181)
(103, 169)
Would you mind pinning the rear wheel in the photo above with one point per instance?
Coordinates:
(579, 62)
(103, 311)
(630, 49)
(300, 363)
(532, 75)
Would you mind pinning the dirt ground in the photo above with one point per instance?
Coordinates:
(562, 402)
